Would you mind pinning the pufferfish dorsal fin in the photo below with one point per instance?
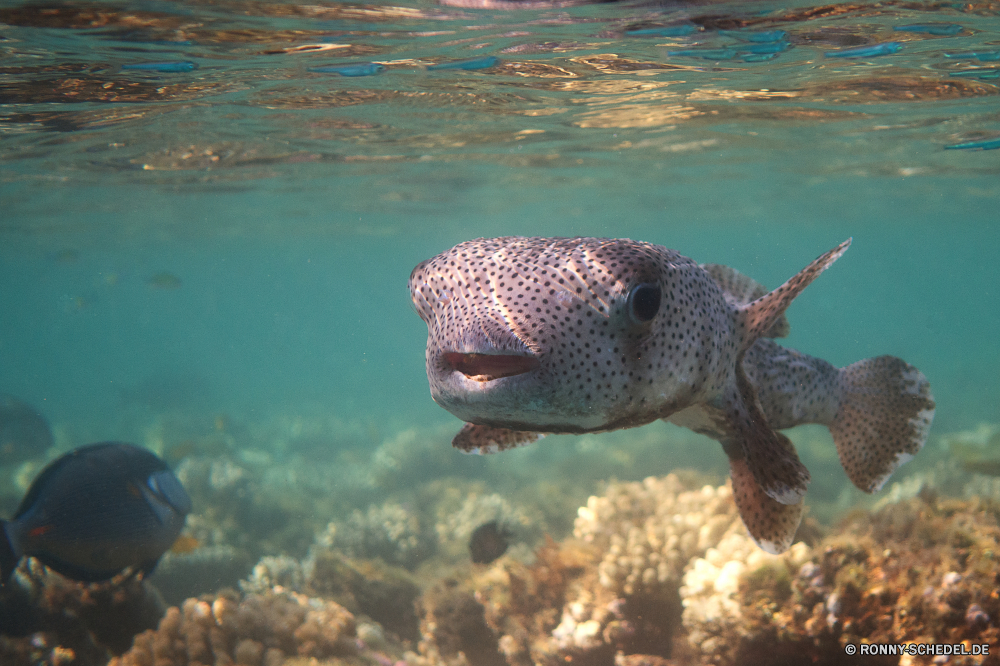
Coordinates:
(740, 290)
(483, 439)
(757, 317)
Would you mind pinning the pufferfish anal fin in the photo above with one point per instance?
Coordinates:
(885, 413)
(771, 524)
(769, 455)
(740, 290)
(759, 316)
(483, 439)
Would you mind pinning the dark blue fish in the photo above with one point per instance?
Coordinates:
(171, 67)
(473, 63)
(361, 69)
(759, 37)
(988, 144)
(24, 433)
(663, 31)
(96, 511)
(707, 54)
(885, 48)
(946, 29)
(982, 56)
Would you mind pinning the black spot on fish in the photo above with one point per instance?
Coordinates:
(488, 542)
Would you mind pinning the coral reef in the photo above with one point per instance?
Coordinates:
(389, 532)
(257, 630)
(920, 571)
(659, 573)
(51, 620)
(613, 588)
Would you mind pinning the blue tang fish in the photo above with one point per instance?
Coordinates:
(96, 511)
(885, 48)
(527, 336)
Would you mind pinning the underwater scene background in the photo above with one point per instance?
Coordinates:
(205, 239)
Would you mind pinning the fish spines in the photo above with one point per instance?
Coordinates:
(756, 319)
(885, 413)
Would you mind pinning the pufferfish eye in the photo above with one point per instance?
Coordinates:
(643, 302)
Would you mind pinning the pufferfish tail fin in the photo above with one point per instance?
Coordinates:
(885, 413)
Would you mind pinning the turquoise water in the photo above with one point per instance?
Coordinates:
(219, 249)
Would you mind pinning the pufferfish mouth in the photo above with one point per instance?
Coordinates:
(487, 367)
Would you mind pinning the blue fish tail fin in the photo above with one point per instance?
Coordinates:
(758, 317)
(9, 555)
(886, 409)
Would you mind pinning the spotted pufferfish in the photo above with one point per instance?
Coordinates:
(529, 336)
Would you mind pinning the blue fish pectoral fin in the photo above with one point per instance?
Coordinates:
(482, 439)
(886, 409)
(771, 524)
(758, 317)
(769, 455)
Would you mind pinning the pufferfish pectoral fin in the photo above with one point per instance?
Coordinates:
(483, 439)
(771, 524)
(768, 455)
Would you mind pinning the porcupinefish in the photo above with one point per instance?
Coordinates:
(96, 511)
(528, 336)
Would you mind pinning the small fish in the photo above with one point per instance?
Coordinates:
(758, 57)
(664, 31)
(988, 144)
(164, 280)
(760, 37)
(528, 336)
(96, 511)
(769, 47)
(707, 54)
(472, 63)
(982, 56)
(171, 67)
(362, 69)
(885, 48)
(982, 73)
(488, 542)
(946, 29)
(24, 433)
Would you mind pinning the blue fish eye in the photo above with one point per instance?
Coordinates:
(166, 486)
(644, 302)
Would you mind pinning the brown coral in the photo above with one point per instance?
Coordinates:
(259, 630)
(920, 571)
